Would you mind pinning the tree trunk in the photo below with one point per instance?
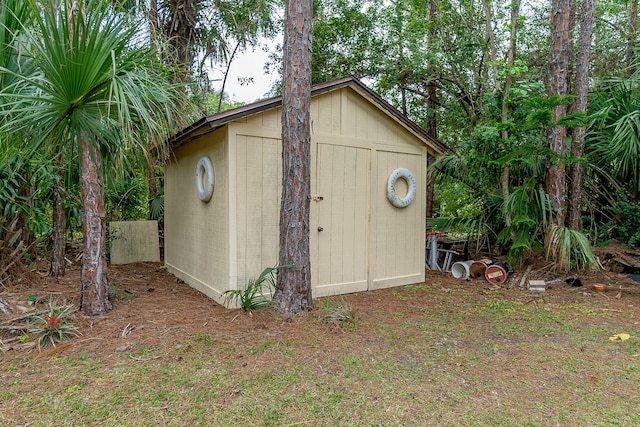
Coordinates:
(576, 170)
(294, 278)
(632, 21)
(431, 104)
(181, 31)
(505, 176)
(558, 85)
(511, 55)
(59, 229)
(94, 297)
(430, 191)
(486, 7)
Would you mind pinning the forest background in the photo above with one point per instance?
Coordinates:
(538, 102)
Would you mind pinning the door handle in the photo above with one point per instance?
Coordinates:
(320, 228)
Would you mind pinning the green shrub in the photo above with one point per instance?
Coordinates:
(54, 326)
(626, 226)
(257, 293)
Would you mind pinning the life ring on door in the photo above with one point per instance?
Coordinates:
(391, 190)
(204, 179)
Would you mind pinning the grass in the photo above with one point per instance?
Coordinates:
(421, 357)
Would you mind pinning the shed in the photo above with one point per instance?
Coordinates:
(221, 228)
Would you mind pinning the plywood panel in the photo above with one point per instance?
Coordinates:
(134, 241)
(325, 114)
(343, 183)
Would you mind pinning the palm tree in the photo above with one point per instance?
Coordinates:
(94, 92)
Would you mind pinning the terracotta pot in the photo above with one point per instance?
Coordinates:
(496, 273)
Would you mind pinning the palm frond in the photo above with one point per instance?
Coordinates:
(569, 249)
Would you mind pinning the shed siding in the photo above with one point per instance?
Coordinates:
(366, 243)
(258, 192)
(196, 233)
(342, 180)
(398, 257)
(267, 120)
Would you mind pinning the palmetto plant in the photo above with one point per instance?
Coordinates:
(94, 91)
(569, 249)
(614, 139)
(338, 313)
(257, 293)
(529, 208)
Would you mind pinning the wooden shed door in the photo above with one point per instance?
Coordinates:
(343, 187)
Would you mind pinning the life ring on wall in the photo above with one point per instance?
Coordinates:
(204, 179)
(391, 190)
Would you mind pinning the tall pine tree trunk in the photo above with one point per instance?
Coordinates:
(294, 280)
(505, 176)
(558, 85)
(576, 170)
(94, 297)
(431, 104)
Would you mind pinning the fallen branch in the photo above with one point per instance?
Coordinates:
(25, 316)
(10, 340)
(5, 307)
(143, 359)
(127, 329)
(14, 327)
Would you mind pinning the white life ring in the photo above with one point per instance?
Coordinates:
(391, 190)
(204, 179)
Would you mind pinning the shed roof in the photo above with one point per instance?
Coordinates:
(210, 123)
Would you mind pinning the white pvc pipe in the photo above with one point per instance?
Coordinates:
(460, 269)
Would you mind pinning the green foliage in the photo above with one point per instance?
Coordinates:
(121, 294)
(626, 224)
(343, 42)
(454, 199)
(257, 293)
(25, 184)
(569, 249)
(89, 79)
(54, 326)
(529, 209)
(156, 208)
(338, 313)
(126, 198)
(614, 140)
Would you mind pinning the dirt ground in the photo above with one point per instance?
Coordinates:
(152, 307)
(158, 322)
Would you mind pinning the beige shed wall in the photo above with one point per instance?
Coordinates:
(257, 194)
(366, 243)
(398, 253)
(197, 233)
(390, 239)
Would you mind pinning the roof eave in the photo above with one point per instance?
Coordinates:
(211, 123)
